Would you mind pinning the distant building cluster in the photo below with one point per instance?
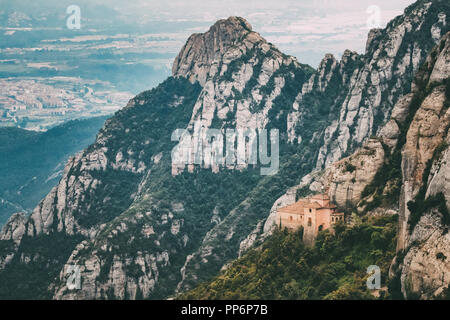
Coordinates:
(39, 105)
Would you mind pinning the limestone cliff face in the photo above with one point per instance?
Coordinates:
(423, 240)
(332, 79)
(423, 117)
(425, 269)
(425, 134)
(383, 75)
(109, 273)
(242, 76)
(427, 130)
(344, 180)
(65, 208)
(347, 178)
(15, 228)
(438, 180)
(339, 108)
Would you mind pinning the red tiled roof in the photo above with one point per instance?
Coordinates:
(293, 208)
(299, 206)
(313, 204)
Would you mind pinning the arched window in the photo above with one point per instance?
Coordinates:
(321, 227)
(290, 218)
(309, 222)
(310, 210)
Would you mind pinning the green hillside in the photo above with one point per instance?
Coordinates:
(283, 268)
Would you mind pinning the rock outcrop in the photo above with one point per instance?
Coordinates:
(14, 229)
(423, 241)
(242, 76)
(383, 75)
(339, 108)
(426, 132)
(425, 269)
(196, 58)
(11, 235)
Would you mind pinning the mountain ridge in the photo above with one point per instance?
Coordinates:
(137, 231)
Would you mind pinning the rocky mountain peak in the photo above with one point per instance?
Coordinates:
(201, 49)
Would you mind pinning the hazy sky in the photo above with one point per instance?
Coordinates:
(306, 29)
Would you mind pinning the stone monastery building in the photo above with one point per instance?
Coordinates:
(315, 213)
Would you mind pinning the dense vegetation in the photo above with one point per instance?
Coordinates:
(46, 255)
(283, 268)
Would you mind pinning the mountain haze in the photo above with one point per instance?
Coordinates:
(31, 162)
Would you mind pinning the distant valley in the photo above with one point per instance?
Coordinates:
(31, 163)
(50, 74)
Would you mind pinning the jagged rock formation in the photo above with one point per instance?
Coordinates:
(97, 186)
(418, 131)
(425, 134)
(11, 235)
(344, 88)
(383, 75)
(14, 229)
(29, 176)
(423, 240)
(196, 58)
(136, 231)
(370, 100)
(419, 127)
(243, 77)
